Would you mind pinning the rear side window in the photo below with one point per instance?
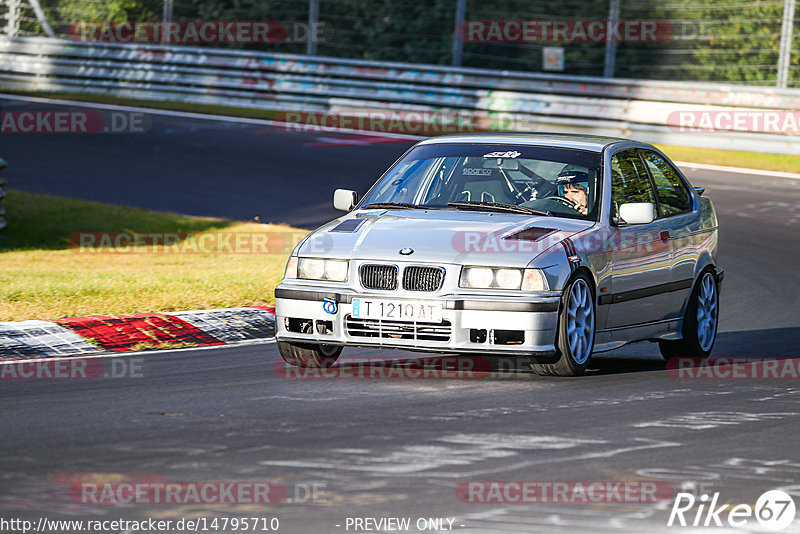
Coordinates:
(629, 181)
(672, 193)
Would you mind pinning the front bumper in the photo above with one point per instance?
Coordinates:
(507, 325)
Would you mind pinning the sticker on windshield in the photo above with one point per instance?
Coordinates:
(509, 154)
(469, 171)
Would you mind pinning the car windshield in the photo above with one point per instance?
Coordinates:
(514, 178)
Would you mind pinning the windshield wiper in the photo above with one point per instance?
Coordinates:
(378, 205)
(498, 206)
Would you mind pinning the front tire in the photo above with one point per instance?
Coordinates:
(309, 354)
(700, 322)
(576, 328)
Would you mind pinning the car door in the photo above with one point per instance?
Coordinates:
(640, 257)
(675, 207)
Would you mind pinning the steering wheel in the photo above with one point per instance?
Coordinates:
(564, 200)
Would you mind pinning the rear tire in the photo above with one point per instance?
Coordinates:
(308, 354)
(576, 328)
(699, 323)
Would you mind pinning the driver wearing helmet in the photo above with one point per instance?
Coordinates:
(573, 185)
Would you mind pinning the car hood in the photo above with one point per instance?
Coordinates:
(439, 236)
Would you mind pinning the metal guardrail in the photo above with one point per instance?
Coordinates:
(630, 108)
(3, 222)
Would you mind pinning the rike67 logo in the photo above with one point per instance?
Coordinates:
(774, 510)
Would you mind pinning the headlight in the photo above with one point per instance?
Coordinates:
(508, 278)
(336, 270)
(478, 277)
(316, 269)
(490, 278)
(311, 269)
(502, 278)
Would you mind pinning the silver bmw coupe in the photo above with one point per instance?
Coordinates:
(546, 247)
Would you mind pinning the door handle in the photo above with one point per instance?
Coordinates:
(665, 236)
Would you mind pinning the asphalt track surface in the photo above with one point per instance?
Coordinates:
(399, 447)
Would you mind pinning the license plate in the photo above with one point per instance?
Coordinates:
(397, 310)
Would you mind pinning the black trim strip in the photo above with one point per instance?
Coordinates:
(484, 305)
(625, 296)
(472, 305)
(300, 294)
(640, 325)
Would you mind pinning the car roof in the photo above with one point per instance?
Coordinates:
(595, 143)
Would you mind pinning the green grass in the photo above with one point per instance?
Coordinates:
(731, 158)
(43, 278)
(43, 222)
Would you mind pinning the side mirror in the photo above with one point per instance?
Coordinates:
(637, 213)
(344, 199)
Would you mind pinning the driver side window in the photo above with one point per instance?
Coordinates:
(672, 194)
(403, 182)
(629, 181)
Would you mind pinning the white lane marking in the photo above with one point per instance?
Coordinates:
(138, 353)
(773, 471)
(267, 122)
(517, 441)
(781, 395)
(464, 450)
(409, 459)
(643, 444)
(192, 115)
(303, 399)
(736, 170)
(708, 420)
(456, 450)
(499, 411)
